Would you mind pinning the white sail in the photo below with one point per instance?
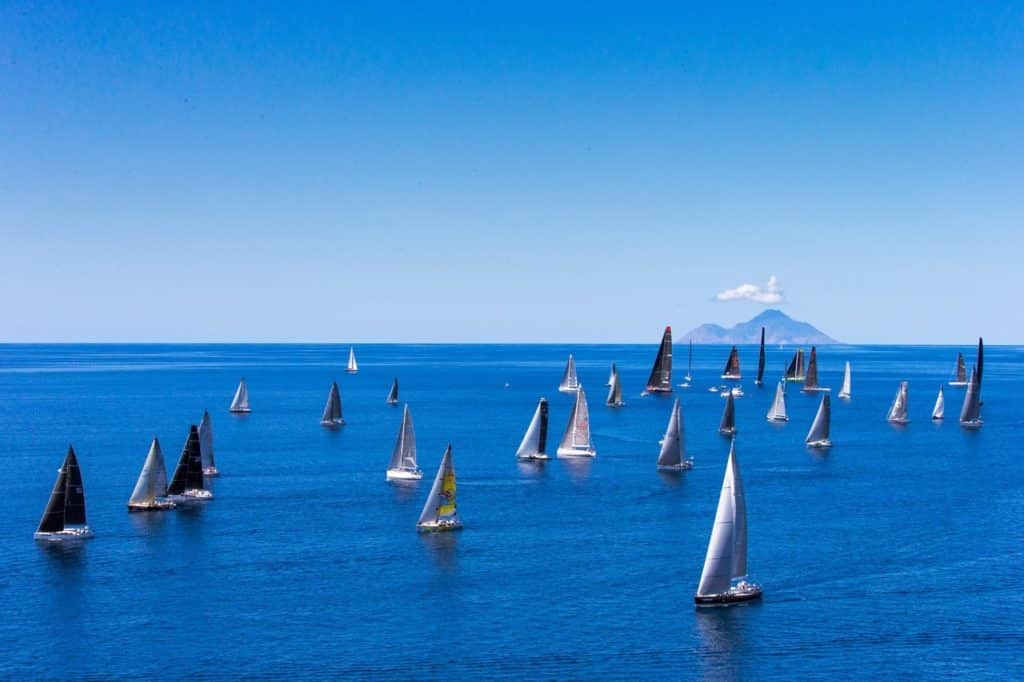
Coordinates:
(332, 410)
(403, 457)
(777, 412)
(569, 383)
(818, 436)
(898, 411)
(844, 392)
(152, 481)
(576, 440)
(439, 511)
(615, 392)
(535, 440)
(726, 559)
(352, 365)
(673, 445)
(939, 411)
(206, 445)
(240, 403)
(611, 375)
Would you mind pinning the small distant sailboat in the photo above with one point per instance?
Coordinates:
(615, 393)
(64, 516)
(726, 560)
(795, 371)
(688, 379)
(727, 427)
(611, 375)
(673, 446)
(535, 441)
(939, 411)
(569, 383)
(187, 482)
(352, 366)
(811, 380)
(844, 391)
(205, 446)
(439, 513)
(732, 365)
(402, 466)
(660, 380)
(332, 410)
(981, 364)
(970, 412)
(240, 404)
(392, 398)
(150, 492)
(898, 411)
(576, 439)
(777, 412)
(760, 362)
(818, 436)
(960, 373)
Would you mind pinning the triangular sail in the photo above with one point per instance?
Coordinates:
(960, 375)
(777, 412)
(74, 497)
(800, 374)
(689, 363)
(536, 438)
(760, 361)
(673, 445)
(611, 375)
(728, 424)
(732, 365)
(577, 431)
(392, 398)
(660, 380)
(205, 443)
(939, 411)
(822, 422)
(404, 454)
(615, 392)
(898, 411)
(981, 364)
(791, 370)
(726, 558)
(569, 382)
(970, 412)
(188, 475)
(53, 519)
(811, 379)
(332, 410)
(240, 403)
(844, 391)
(440, 503)
(352, 366)
(152, 481)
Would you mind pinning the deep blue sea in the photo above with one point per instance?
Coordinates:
(897, 553)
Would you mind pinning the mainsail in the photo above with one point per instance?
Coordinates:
(777, 412)
(981, 363)
(569, 383)
(726, 559)
(576, 439)
(352, 366)
(615, 392)
(844, 391)
(152, 481)
(818, 436)
(960, 373)
(66, 506)
(673, 445)
(970, 413)
(188, 475)
(898, 411)
(403, 457)
(760, 362)
(689, 364)
(332, 410)
(392, 398)
(534, 445)
(660, 380)
(241, 400)
(611, 375)
(939, 411)
(205, 445)
(732, 365)
(811, 380)
(795, 371)
(439, 510)
(728, 425)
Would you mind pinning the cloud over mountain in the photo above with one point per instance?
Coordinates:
(770, 294)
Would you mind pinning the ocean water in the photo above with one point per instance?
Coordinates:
(897, 553)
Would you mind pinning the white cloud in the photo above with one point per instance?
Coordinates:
(770, 294)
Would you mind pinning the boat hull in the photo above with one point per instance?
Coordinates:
(392, 402)
(737, 595)
(682, 466)
(815, 389)
(439, 526)
(658, 389)
(568, 389)
(618, 404)
(331, 423)
(727, 432)
(844, 396)
(573, 452)
(239, 410)
(157, 505)
(957, 383)
(403, 475)
(972, 424)
(66, 535)
(732, 376)
(899, 422)
(796, 379)
(538, 457)
(210, 472)
(191, 495)
(824, 443)
(778, 419)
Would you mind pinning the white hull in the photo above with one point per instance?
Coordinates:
(404, 475)
(815, 389)
(392, 402)
(193, 495)
(899, 422)
(824, 443)
(211, 471)
(618, 404)
(682, 466)
(732, 376)
(351, 371)
(972, 424)
(157, 505)
(958, 383)
(728, 432)
(567, 389)
(538, 457)
(79, 533)
(574, 452)
(778, 419)
(439, 526)
(844, 396)
(332, 422)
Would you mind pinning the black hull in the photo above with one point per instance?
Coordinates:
(727, 598)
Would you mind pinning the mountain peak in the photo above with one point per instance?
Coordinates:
(779, 328)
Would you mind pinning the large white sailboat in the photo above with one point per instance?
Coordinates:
(898, 411)
(332, 410)
(777, 412)
(845, 389)
(205, 446)
(240, 403)
(673, 446)
(818, 436)
(569, 383)
(723, 580)
(535, 440)
(576, 439)
(64, 516)
(939, 411)
(187, 483)
(352, 367)
(150, 492)
(402, 466)
(440, 513)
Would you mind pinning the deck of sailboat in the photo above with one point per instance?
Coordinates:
(67, 534)
(741, 593)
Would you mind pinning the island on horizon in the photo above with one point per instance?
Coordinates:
(779, 328)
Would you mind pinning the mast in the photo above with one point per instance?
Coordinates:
(939, 411)
(152, 481)
(240, 403)
(819, 433)
(898, 411)
(760, 362)
(352, 366)
(726, 558)
(727, 427)
(673, 445)
(844, 391)
(660, 380)
(404, 454)
(615, 392)
(205, 445)
(54, 515)
(576, 439)
(535, 439)
(689, 364)
(981, 364)
(392, 398)
(777, 412)
(188, 475)
(569, 383)
(811, 380)
(332, 410)
(732, 365)
(440, 504)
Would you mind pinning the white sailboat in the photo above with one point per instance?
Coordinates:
(150, 492)
(187, 483)
(777, 412)
(352, 366)
(939, 411)
(615, 393)
(569, 383)
(64, 516)
(844, 390)
(723, 580)
(534, 444)
(818, 436)
(611, 375)
(898, 411)
(402, 466)
(576, 439)
(688, 379)
(970, 412)
(673, 446)
(440, 513)
(332, 410)
(206, 446)
(240, 403)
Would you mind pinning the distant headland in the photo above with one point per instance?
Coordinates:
(779, 328)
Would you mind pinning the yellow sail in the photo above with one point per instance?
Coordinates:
(447, 506)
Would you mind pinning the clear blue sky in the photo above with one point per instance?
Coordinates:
(381, 172)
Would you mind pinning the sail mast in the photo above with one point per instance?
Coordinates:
(844, 391)
(569, 383)
(760, 362)
(660, 380)
(392, 398)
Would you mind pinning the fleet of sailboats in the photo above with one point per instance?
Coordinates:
(64, 516)
(206, 446)
(760, 362)
(402, 466)
(576, 439)
(898, 411)
(811, 379)
(673, 445)
(845, 389)
(535, 440)
(569, 382)
(352, 367)
(732, 365)
(818, 436)
(150, 492)
(939, 411)
(439, 512)
(660, 380)
(332, 410)
(240, 403)
(187, 483)
(777, 412)
(392, 398)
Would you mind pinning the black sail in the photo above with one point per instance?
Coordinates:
(791, 370)
(74, 499)
(728, 424)
(760, 360)
(393, 393)
(732, 365)
(812, 370)
(53, 516)
(661, 374)
(961, 368)
(981, 364)
(188, 475)
(542, 442)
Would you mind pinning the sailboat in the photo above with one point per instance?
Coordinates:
(795, 371)
(726, 560)
(150, 492)
(970, 413)
(402, 466)
(352, 366)
(981, 364)
(673, 446)
(777, 412)
(727, 427)
(760, 362)
(844, 390)
(688, 379)
(392, 398)
(611, 375)
(205, 446)
(576, 439)
(818, 436)
(187, 482)
(439, 513)
(569, 383)
(939, 411)
(332, 410)
(64, 516)
(615, 393)
(240, 403)
(898, 411)
(732, 365)
(811, 380)
(960, 373)
(535, 441)
(660, 380)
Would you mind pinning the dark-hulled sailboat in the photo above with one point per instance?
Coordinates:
(392, 398)
(811, 380)
(64, 516)
(759, 381)
(332, 410)
(660, 380)
(187, 482)
(615, 392)
(732, 365)
(727, 427)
